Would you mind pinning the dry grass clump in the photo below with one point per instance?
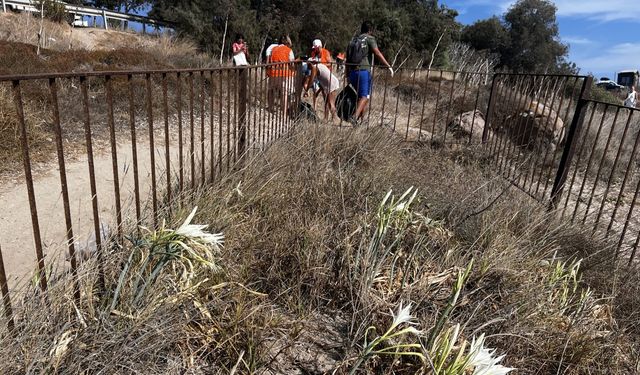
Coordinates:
(344, 251)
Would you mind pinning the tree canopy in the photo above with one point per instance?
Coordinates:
(526, 38)
(408, 28)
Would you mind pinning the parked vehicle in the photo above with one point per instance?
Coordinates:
(79, 21)
(609, 85)
(628, 78)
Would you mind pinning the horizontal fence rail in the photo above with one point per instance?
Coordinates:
(105, 152)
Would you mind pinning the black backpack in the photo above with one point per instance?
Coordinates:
(357, 50)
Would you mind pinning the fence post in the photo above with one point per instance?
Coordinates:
(242, 112)
(490, 107)
(569, 148)
(4, 7)
(104, 19)
(6, 299)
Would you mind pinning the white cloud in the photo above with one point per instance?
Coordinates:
(612, 59)
(604, 11)
(594, 10)
(576, 40)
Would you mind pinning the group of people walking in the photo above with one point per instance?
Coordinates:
(318, 73)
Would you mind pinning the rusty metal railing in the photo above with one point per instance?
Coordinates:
(129, 146)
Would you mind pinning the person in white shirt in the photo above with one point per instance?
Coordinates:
(329, 84)
(632, 98)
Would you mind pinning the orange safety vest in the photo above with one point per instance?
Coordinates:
(280, 54)
(325, 57)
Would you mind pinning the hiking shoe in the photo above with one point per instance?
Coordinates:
(353, 121)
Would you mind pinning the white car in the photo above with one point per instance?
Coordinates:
(79, 21)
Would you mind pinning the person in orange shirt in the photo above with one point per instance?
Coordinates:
(281, 75)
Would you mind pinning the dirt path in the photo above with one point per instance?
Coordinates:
(16, 234)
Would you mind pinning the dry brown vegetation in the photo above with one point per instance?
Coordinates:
(303, 274)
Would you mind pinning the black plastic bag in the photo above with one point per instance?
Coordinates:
(346, 102)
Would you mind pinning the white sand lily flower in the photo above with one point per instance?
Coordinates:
(403, 316)
(482, 359)
(197, 232)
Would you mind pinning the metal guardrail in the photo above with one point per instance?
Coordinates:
(29, 6)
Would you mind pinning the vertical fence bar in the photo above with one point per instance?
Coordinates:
(92, 179)
(490, 108)
(395, 115)
(569, 149)
(446, 121)
(256, 108)
(435, 111)
(134, 148)
(236, 94)
(17, 96)
(53, 88)
(242, 112)
(554, 152)
(202, 136)
(114, 156)
(473, 118)
(424, 101)
(167, 139)
(220, 128)
(413, 83)
(228, 135)
(495, 135)
(384, 100)
(628, 219)
(583, 145)
(192, 153)
(152, 149)
(6, 298)
(464, 98)
(212, 127)
(180, 145)
(371, 88)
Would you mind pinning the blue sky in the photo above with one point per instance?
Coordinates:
(603, 35)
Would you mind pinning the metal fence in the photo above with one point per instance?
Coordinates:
(130, 145)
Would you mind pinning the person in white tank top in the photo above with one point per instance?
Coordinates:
(329, 84)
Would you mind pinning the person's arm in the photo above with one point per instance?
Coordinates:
(380, 57)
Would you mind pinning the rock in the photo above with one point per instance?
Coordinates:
(468, 123)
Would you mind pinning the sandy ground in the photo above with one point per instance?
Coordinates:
(16, 234)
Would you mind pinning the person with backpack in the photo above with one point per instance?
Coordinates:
(360, 54)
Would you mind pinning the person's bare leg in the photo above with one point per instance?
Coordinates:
(332, 104)
(362, 104)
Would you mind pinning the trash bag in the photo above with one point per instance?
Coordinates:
(346, 102)
(306, 112)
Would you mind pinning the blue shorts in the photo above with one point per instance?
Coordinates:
(361, 81)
